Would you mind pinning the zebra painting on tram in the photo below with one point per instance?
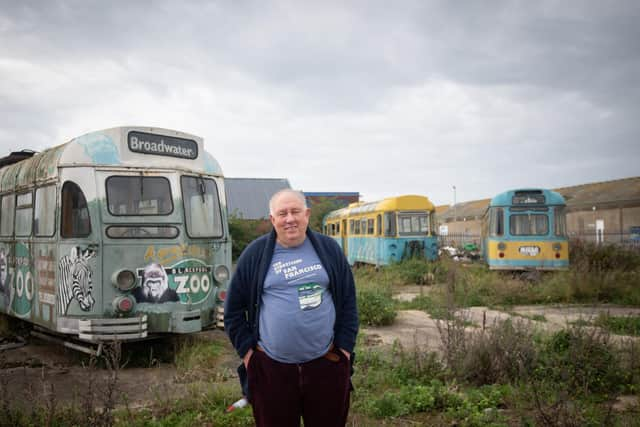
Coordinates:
(75, 280)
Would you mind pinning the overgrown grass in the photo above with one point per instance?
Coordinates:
(622, 325)
(597, 274)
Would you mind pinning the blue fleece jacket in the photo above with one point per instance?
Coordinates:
(241, 312)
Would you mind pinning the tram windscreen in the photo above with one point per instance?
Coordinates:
(529, 225)
(413, 224)
(139, 195)
(201, 207)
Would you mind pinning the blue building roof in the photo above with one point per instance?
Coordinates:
(331, 194)
(248, 198)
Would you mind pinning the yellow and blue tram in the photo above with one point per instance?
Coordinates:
(117, 234)
(525, 229)
(385, 231)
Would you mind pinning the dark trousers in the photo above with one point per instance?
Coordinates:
(317, 390)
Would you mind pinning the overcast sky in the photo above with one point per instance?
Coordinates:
(379, 97)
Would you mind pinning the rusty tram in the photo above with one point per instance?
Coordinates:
(119, 234)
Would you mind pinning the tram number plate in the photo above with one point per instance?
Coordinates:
(529, 250)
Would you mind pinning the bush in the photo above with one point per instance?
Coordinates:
(588, 256)
(244, 231)
(375, 307)
(413, 271)
(582, 360)
(500, 354)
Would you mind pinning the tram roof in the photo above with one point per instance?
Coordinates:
(506, 198)
(401, 203)
(163, 148)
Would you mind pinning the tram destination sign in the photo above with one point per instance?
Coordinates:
(162, 145)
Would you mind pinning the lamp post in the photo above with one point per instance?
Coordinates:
(595, 229)
(455, 214)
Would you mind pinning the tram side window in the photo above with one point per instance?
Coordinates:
(24, 214)
(390, 224)
(8, 206)
(496, 226)
(560, 221)
(74, 215)
(201, 207)
(379, 225)
(44, 213)
(370, 227)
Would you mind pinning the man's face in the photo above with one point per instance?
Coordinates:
(290, 219)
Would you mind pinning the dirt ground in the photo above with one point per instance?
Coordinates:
(38, 369)
(32, 372)
(414, 327)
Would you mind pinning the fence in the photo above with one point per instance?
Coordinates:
(459, 239)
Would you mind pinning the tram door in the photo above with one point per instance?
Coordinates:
(79, 268)
(345, 240)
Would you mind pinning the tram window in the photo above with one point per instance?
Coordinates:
(497, 222)
(352, 227)
(363, 226)
(337, 228)
(390, 224)
(74, 215)
(8, 206)
(139, 195)
(560, 221)
(528, 225)
(413, 224)
(44, 219)
(424, 224)
(138, 232)
(370, 227)
(379, 225)
(357, 225)
(201, 207)
(24, 214)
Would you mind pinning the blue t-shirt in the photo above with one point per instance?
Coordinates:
(297, 313)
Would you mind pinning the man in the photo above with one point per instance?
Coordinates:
(291, 315)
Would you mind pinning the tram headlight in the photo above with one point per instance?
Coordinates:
(556, 247)
(221, 273)
(502, 246)
(123, 304)
(125, 280)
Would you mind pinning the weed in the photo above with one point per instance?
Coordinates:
(622, 325)
(582, 360)
(375, 307)
(502, 353)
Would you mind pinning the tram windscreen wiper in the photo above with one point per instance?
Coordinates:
(203, 189)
